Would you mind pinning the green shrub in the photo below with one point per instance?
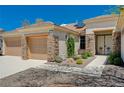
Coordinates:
(115, 59)
(79, 61)
(70, 46)
(89, 54)
(58, 59)
(85, 55)
(77, 57)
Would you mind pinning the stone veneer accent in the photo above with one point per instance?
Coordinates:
(90, 43)
(52, 47)
(116, 45)
(24, 48)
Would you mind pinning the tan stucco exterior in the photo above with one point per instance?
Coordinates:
(29, 41)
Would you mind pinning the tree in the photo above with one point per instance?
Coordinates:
(114, 9)
(38, 20)
(25, 23)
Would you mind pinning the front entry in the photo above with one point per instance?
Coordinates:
(104, 44)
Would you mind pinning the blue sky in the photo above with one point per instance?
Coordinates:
(11, 17)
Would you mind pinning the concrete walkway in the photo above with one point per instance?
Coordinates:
(97, 65)
(99, 61)
(12, 64)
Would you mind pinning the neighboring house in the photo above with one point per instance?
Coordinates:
(42, 40)
(97, 34)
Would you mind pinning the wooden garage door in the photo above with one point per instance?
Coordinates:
(37, 47)
(13, 46)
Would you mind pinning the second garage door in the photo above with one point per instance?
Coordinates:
(37, 47)
(13, 46)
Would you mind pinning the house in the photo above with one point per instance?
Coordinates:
(45, 40)
(42, 40)
(98, 35)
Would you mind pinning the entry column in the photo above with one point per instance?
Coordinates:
(24, 48)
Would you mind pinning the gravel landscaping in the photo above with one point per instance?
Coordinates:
(112, 76)
(64, 63)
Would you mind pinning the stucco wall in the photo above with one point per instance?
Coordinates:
(77, 44)
(62, 43)
(100, 25)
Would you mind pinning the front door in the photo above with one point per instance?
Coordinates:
(104, 44)
(108, 44)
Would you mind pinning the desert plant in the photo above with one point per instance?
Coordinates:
(70, 46)
(58, 59)
(115, 59)
(75, 57)
(86, 54)
(70, 60)
(79, 61)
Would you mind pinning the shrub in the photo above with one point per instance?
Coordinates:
(77, 57)
(70, 60)
(85, 55)
(89, 54)
(79, 61)
(70, 46)
(58, 59)
(115, 59)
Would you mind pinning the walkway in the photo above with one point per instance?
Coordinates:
(97, 65)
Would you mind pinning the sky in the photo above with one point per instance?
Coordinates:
(11, 16)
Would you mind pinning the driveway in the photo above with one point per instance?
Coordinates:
(12, 64)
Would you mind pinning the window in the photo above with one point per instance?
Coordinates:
(82, 42)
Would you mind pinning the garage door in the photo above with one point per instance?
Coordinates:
(37, 47)
(13, 46)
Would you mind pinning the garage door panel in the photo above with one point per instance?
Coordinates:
(37, 56)
(13, 46)
(38, 47)
(14, 51)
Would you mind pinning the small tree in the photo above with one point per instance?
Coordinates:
(38, 20)
(114, 9)
(70, 47)
(25, 23)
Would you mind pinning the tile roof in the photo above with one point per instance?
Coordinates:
(73, 27)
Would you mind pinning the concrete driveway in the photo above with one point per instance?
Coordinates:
(12, 64)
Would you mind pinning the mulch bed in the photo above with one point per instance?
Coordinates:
(86, 62)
